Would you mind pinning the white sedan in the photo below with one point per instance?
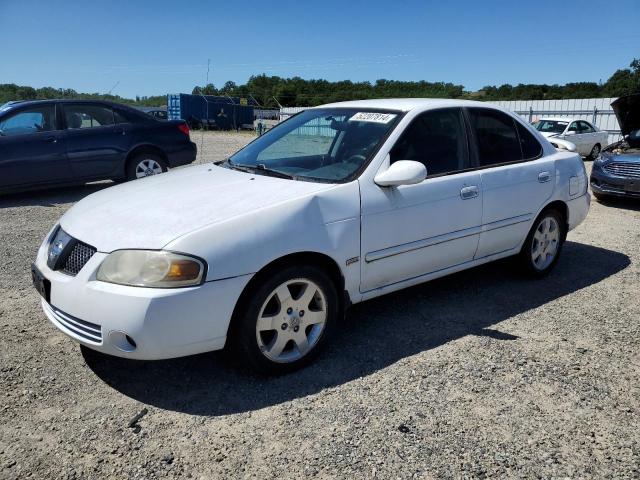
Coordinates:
(337, 205)
(588, 139)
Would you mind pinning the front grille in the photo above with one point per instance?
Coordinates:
(78, 257)
(623, 169)
(87, 331)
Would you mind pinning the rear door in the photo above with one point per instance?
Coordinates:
(96, 143)
(32, 150)
(516, 179)
(589, 136)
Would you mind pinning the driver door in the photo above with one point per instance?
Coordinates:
(32, 150)
(413, 230)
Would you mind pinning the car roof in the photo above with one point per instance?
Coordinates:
(563, 119)
(20, 103)
(408, 104)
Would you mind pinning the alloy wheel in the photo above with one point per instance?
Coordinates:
(291, 320)
(546, 241)
(148, 167)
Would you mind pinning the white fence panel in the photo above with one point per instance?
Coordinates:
(594, 110)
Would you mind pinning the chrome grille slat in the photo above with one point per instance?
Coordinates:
(623, 169)
(78, 257)
(86, 330)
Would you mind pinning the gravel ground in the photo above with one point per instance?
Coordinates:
(480, 374)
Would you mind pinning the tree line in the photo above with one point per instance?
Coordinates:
(274, 91)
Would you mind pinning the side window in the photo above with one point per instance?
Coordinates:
(437, 139)
(496, 136)
(31, 120)
(531, 148)
(573, 127)
(87, 116)
(586, 128)
(120, 117)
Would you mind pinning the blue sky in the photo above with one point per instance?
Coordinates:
(155, 47)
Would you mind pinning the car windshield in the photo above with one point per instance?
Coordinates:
(325, 144)
(553, 126)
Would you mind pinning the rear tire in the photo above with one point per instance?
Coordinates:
(285, 320)
(145, 165)
(543, 245)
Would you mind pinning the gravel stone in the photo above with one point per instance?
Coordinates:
(482, 374)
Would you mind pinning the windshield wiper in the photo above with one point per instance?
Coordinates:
(260, 168)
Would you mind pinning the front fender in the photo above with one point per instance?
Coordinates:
(327, 222)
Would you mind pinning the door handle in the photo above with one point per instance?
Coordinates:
(544, 177)
(50, 139)
(121, 131)
(469, 192)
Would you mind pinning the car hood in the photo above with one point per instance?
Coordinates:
(548, 134)
(627, 110)
(151, 212)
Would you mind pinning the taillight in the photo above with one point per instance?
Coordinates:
(184, 128)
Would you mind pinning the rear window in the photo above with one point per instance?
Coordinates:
(496, 136)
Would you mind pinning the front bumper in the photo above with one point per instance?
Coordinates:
(605, 184)
(139, 323)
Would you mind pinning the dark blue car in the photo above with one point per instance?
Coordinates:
(616, 172)
(45, 143)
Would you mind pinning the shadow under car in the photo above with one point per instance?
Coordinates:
(375, 334)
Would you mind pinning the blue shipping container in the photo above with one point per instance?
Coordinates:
(198, 110)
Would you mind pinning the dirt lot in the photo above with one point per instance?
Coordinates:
(480, 374)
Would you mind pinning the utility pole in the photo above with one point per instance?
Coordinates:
(208, 66)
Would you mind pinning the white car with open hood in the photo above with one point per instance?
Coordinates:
(339, 204)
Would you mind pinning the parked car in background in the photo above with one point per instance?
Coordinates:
(158, 113)
(616, 172)
(589, 140)
(45, 143)
(338, 204)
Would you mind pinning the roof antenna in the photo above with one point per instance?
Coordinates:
(112, 88)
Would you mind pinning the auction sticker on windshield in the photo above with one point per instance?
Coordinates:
(373, 117)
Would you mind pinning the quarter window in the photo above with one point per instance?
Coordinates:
(436, 139)
(531, 148)
(496, 136)
(87, 116)
(32, 120)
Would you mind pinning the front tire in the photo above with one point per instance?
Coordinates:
(286, 320)
(595, 151)
(601, 197)
(544, 242)
(145, 165)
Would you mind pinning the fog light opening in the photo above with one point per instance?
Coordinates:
(122, 341)
(131, 341)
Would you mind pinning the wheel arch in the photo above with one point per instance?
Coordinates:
(320, 260)
(140, 150)
(561, 207)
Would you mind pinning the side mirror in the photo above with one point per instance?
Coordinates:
(402, 172)
(570, 132)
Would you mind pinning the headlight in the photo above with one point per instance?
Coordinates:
(151, 268)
